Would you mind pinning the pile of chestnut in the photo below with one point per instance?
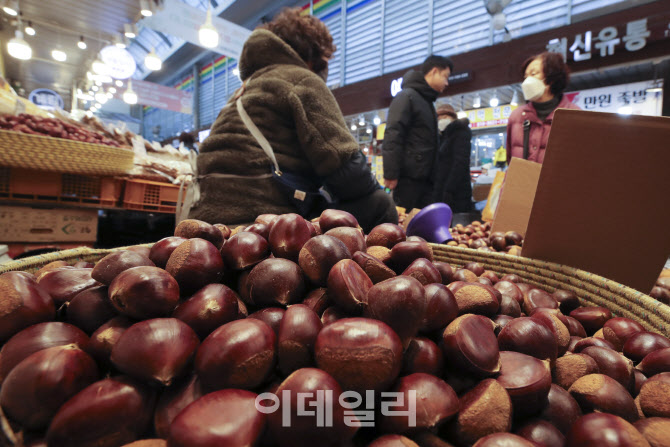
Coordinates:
(478, 235)
(661, 290)
(173, 345)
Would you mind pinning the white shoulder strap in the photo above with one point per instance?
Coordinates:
(256, 133)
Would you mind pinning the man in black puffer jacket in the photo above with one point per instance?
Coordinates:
(411, 138)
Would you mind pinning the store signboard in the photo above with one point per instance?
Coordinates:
(181, 20)
(160, 96)
(46, 99)
(625, 99)
(490, 117)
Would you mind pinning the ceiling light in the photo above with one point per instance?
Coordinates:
(119, 83)
(81, 44)
(477, 102)
(361, 120)
(17, 47)
(97, 105)
(145, 8)
(152, 61)
(207, 34)
(118, 41)
(29, 29)
(101, 97)
(493, 102)
(515, 98)
(99, 67)
(377, 121)
(11, 7)
(130, 30)
(461, 114)
(86, 97)
(95, 88)
(129, 96)
(353, 127)
(368, 130)
(112, 90)
(236, 72)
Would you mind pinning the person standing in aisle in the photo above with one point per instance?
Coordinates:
(545, 78)
(411, 138)
(452, 174)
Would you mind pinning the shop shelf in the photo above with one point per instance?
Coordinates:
(27, 185)
(145, 195)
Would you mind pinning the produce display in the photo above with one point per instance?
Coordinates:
(53, 127)
(296, 333)
(478, 235)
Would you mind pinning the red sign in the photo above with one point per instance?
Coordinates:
(159, 96)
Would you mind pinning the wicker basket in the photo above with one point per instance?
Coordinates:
(20, 150)
(592, 290)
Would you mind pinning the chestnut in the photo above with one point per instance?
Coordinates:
(511, 277)
(348, 286)
(569, 368)
(499, 243)
(604, 430)
(376, 270)
(173, 400)
(513, 238)
(542, 432)
(90, 309)
(562, 410)
(554, 324)
(382, 254)
(504, 439)
(361, 354)
(271, 316)
(288, 235)
(393, 441)
(661, 294)
(332, 218)
(318, 300)
(538, 298)
(475, 298)
(404, 253)
(490, 276)
(243, 250)
(24, 303)
(592, 341)
(574, 327)
(598, 392)
(613, 364)
(509, 289)
(111, 265)
(655, 430)
(655, 396)
(618, 330)
(276, 281)
(639, 380)
(475, 267)
(529, 336)
(319, 254)
(422, 355)
(297, 335)
(332, 314)
(145, 292)
(65, 283)
(469, 342)
(655, 362)
(567, 301)
(592, 318)
(193, 228)
(641, 344)
(210, 307)
(399, 302)
(225, 230)
(386, 235)
(464, 275)
(441, 308)
(194, 264)
(351, 237)
(527, 380)
(105, 337)
(424, 271)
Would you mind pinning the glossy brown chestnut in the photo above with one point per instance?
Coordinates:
(36, 388)
(424, 271)
(509, 290)
(261, 229)
(527, 380)
(193, 228)
(160, 252)
(144, 292)
(361, 354)
(598, 392)
(35, 338)
(111, 265)
(174, 399)
(435, 403)
(562, 410)
(271, 316)
(661, 294)
(441, 308)
(640, 379)
(393, 441)
(353, 238)
(475, 267)
(383, 254)
(63, 284)
(227, 417)
(504, 439)
(592, 318)
(513, 238)
(549, 318)
(567, 301)
(424, 356)
(90, 309)
(511, 277)
(107, 413)
(24, 303)
(654, 430)
(319, 255)
(156, 351)
(470, 343)
(529, 336)
(641, 344)
(297, 336)
(574, 327)
(573, 342)
(210, 307)
(386, 235)
(348, 286)
(475, 298)
(499, 243)
(592, 341)
(501, 321)
(102, 341)
(655, 362)
(288, 235)
(655, 396)
(239, 354)
(318, 300)
(464, 275)
(225, 230)
(618, 330)
(571, 367)
(332, 314)
(376, 270)
(267, 218)
(538, 298)
(404, 253)
(613, 364)
(604, 430)
(332, 218)
(194, 264)
(490, 276)
(304, 429)
(276, 281)
(243, 250)
(446, 271)
(399, 302)
(542, 432)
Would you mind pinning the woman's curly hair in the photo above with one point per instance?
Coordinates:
(306, 34)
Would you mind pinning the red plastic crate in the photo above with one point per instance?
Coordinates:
(145, 195)
(27, 185)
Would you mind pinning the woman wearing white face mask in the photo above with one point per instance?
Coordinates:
(545, 79)
(452, 170)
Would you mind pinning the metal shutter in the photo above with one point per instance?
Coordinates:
(333, 20)
(363, 56)
(582, 6)
(405, 33)
(233, 80)
(206, 97)
(534, 16)
(220, 89)
(459, 26)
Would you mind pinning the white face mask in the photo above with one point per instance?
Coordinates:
(443, 123)
(532, 88)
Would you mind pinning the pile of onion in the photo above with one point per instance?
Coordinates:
(291, 332)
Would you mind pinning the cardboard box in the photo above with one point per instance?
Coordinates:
(601, 203)
(25, 224)
(481, 191)
(517, 196)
